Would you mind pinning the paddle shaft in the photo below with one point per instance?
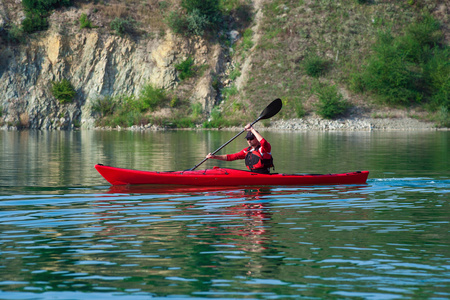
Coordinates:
(221, 147)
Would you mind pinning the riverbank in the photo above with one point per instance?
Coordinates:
(308, 123)
(352, 124)
(313, 123)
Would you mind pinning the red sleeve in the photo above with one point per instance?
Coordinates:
(265, 146)
(235, 156)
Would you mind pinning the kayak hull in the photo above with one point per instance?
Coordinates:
(224, 177)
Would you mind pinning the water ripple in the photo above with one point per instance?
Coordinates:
(384, 240)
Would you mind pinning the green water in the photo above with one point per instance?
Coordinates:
(66, 234)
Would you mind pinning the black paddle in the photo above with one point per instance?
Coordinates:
(271, 110)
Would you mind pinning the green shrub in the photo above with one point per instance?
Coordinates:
(331, 102)
(123, 26)
(177, 23)
(44, 5)
(197, 23)
(150, 98)
(104, 106)
(185, 68)
(34, 22)
(209, 9)
(412, 68)
(196, 110)
(63, 91)
(37, 12)
(391, 75)
(216, 119)
(199, 16)
(437, 77)
(85, 22)
(315, 66)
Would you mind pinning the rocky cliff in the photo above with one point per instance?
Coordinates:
(265, 55)
(97, 64)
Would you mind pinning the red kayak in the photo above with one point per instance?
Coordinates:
(224, 177)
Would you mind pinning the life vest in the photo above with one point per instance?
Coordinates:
(255, 160)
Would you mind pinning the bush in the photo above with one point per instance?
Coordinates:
(199, 16)
(391, 75)
(63, 91)
(85, 22)
(34, 22)
(331, 102)
(104, 106)
(216, 119)
(185, 68)
(412, 68)
(196, 110)
(437, 78)
(123, 26)
(43, 6)
(197, 23)
(177, 23)
(208, 9)
(315, 66)
(37, 11)
(150, 98)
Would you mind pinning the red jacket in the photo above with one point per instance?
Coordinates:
(260, 158)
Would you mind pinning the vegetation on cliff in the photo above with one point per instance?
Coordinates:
(330, 58)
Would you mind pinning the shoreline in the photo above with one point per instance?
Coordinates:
(318, 124)
(308, 123)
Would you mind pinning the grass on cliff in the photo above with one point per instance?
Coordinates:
(302, 42)
(409, 69)
(144, 109)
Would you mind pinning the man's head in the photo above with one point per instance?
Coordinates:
(251, 139)
(249, 136)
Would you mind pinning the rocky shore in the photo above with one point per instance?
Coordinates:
(307, 123)
(313, 123)
(352, 124)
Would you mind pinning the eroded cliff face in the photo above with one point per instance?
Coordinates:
(96, 65)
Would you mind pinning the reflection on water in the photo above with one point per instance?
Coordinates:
(66, 234)
(61, 159)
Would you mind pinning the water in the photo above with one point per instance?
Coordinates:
(66, 234)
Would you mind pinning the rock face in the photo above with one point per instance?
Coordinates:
(96, 65)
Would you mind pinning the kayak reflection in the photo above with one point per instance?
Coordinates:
(235, 191)
(214, 227)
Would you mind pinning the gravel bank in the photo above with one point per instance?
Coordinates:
(352, 124)
(312, 123)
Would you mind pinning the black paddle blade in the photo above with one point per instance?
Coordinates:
(271, 110)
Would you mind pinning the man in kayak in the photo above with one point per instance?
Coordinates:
(257, 155)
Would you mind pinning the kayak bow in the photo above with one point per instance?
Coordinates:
(224, 177)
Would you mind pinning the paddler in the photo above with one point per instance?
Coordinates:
(257, 155)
